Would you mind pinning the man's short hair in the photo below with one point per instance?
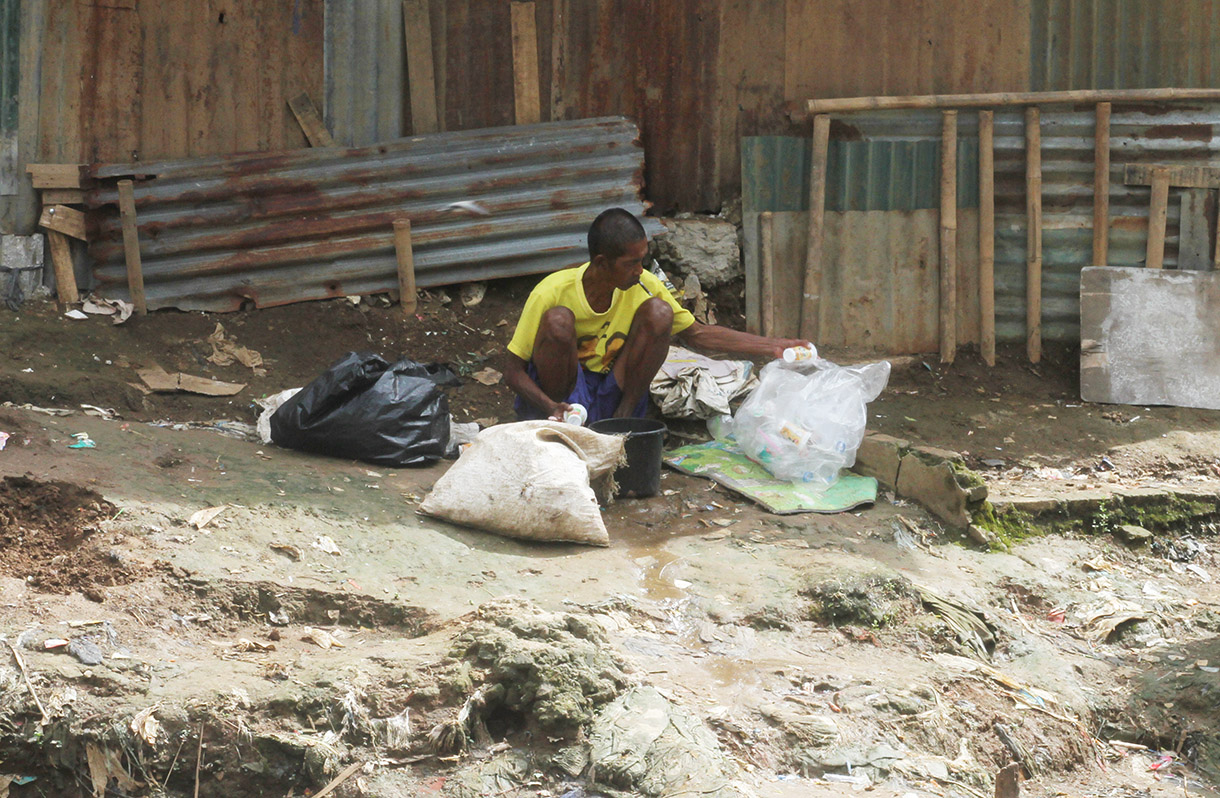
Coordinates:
(612, 232)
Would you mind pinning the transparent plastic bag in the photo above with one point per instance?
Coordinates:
(805, 420)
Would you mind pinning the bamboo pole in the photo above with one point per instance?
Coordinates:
(406, 266)
(987, 236)
(811, 296)
(1101, 186)
(1157, 211)
(1033, 234)
(131, 246)
(948, 236)
(845, 104)
(766, 272)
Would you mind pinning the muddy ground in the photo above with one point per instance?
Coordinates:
(784, 656)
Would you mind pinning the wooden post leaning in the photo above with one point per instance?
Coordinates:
(1157, 213)
(948, 236)
(406, 266)
(131, 246)
(1101, 186)
(1033, 234)
(811, 295)
(66, 292)
(987, 236)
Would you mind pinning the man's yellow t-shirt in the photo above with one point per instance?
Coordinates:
(599, 336)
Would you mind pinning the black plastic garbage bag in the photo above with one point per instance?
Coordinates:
(366, 409)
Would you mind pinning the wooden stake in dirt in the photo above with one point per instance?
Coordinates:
(343, 776)
(61, 262)
(766, 271)
(131, 246)
(811, 296)
(525, 63)
(1157, 212)
(948, 236)
(421, 71)
(1101, 186)
(310, 121)
(28, 684)
(987, 236)
(1033, 234)
(198, 759)
(406, 266)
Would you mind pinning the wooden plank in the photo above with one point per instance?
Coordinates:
(421, 74)
(310, 121)
(1194, 235)
(63, 196)
(1143, 174)
(1149, 337)
(61, 262)
(559, 58)
(527, 101)
(848, 104)
(1158, 209)
(948, 236)
(56, 175)
(1033, 234)
(407, 296)
(766, 271)
(811, 323)
(1101, 185)
(63, 219)
(131, 246)
(987, 236)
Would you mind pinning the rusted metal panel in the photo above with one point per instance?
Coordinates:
(309, 224)
(365, 71)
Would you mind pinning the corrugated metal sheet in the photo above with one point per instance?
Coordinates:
(1182, 133)
(10, 83)
(311, 224)
(1123, 44)
(365, 72)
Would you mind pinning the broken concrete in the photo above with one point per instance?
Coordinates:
(705, 246)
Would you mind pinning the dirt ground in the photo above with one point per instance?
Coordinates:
(318, 622)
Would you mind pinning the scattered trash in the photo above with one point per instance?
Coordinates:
(145, 725)
(278, 618)
(1162, 761)
(487, 376)
(287, 549)
(4, 436)
(118, 308)
(109, 414)
(76, 314)
(52, 643)
(472, 294)
(326, 545)
(225, 351)
(105, 765)
(690, 385)
(469, 206)
(159, 380)
(202, 518)
(82, 441)
(269, 405)
(322, 638)
(85, 650)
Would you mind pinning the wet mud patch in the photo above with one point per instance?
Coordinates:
(50, 536)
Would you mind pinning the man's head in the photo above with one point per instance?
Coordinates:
(618, 243)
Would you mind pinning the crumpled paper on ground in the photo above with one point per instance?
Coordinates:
(225, 351)
(690, 385)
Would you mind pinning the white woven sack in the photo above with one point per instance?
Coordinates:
(532, 480)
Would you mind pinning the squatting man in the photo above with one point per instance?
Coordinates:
(597, 334)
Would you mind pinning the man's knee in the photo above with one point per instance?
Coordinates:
(656, 315)
(557, 325)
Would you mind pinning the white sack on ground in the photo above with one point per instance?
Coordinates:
(270, 404)
(533, 479)
(690, 385)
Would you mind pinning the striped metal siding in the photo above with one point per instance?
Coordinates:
(1123, 44)
(10, 82)
(365, 72)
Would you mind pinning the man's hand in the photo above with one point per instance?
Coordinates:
(558, 410)
(780, 344)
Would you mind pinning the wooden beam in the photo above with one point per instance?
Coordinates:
(987, 236)
(948, 236)
(421, 68)
(406, 266)
(766, 272)
(1216, 256)
(846, 104)
(1157, 211)
(525, 63)
(61, 262)
(131, 246)
(559, 58)
(63, 196)
(310, 121)
(1033, 234)
(1143, 174)
(1101, 185)
(63, 219)
(56, 175)
(810, 326)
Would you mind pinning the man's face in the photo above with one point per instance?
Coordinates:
(626, 268)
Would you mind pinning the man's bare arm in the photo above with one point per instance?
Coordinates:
(518, 379)
(714, 338)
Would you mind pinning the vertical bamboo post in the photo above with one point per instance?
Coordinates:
(1101, 186)
(1033, 233)
(766, 273)
(406, 266)
(811, 296)
(987, 236)
(948, 236)
(1157, 212)
(61, 263)
(131, 246)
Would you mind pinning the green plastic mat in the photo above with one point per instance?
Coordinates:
(723, 463)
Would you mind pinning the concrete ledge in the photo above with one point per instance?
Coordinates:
(935, 478)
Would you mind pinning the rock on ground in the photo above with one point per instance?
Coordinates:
(707, 247)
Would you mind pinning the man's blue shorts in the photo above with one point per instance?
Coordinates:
(599, 393)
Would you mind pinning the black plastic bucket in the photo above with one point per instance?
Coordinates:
(645, 439)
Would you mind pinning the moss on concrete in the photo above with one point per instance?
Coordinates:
(1010, 526)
